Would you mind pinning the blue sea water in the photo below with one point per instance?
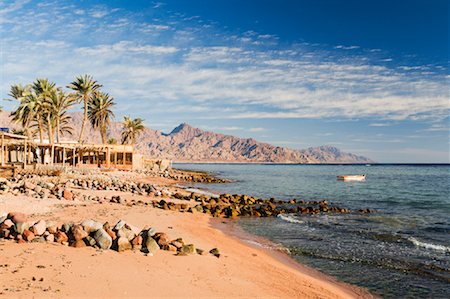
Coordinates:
(402, 250)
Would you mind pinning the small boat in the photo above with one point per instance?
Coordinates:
(356, 177)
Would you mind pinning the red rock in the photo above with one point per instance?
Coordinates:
(111, 233)
(28, 235)
(61, 237)
(67, 194)
(78, 244)
(137, 240)
(161, 238)
(78, 232)
(17, 217)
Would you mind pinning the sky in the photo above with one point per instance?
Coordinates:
(369, 77)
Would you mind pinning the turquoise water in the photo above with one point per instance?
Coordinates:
(402, 250)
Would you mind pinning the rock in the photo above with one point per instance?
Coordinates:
(151, 232)
(29, 185)
(28, 235)
(111, 233)
(38, 189)
(61, 237)
(67, 194)
(20, 227)
(78, 244)
(78, 232)
(102, 239)
(137, 240)
(90, 241)
(168, 247)
(17, 217)
(127, 232)
(50, 238)
(188, 249)
(215, 252)
(161, 238)
(52, 229)
(90, 225)
(119, 225)
(8, 223)
(151, 245)
(200, 251)
(177, 244)
(39, 227)
(123, 244)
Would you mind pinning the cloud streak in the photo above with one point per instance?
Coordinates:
(158, 66)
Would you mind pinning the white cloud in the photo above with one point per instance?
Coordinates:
(173, 67)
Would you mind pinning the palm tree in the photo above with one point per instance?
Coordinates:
(85, 88)
(57, 107)
(111, 140)
(100, 113)
(45, 90)
(132, 128)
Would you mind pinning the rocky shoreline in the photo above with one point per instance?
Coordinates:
(119, 237)
(50, 211)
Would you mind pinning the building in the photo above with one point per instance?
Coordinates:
(20, 151)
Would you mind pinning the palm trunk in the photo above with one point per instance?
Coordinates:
(58, 129)
(84, 121)
(50, 129)
(41, 129)
(103, 133)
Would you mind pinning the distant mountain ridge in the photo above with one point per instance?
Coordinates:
(188, 144)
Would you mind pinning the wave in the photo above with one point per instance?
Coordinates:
(429, 245)
(288, 218)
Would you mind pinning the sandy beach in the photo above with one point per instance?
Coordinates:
(43, 270)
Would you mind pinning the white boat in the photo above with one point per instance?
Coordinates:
(356, 177)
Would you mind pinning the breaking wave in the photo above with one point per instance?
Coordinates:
(288, 218)
(429, 245)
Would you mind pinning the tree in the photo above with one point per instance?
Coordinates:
(24, 114)
(57, 106)
(111, 140)
(132, 128)
(85, 88)
(44, 89)
(100, 113)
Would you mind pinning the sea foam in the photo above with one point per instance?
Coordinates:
(288, 218)
(429, 245)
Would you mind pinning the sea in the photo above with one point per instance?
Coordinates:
(402, 250)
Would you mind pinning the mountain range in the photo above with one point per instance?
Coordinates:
(188, 144)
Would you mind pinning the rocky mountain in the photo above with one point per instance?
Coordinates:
(188, 144)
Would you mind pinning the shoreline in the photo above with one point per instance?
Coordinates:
(242, 270)
(280, 253)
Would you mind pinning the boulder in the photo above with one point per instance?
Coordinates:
(17, 217)
(127, 232)
(67, 194)
(151, 245)
(50, 238)
(102, 239)
(20, 227)
(78, 232)
(29, 185)
(61, 237)
(215, 252)
(188, 249)
(111, 233)
(28, 235)
(39, 227)
(90, 225)
(123, 244)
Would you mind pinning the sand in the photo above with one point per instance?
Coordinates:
(43, 270)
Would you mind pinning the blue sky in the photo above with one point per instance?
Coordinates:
(369, 77)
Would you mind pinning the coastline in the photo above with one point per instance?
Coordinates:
(279, 253)
(242, 270)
